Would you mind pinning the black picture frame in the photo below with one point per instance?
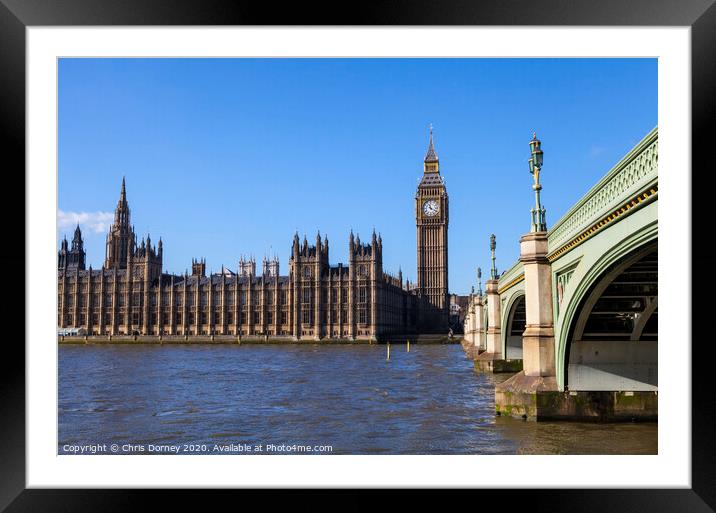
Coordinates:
(700, 15)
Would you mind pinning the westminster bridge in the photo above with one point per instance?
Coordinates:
(575, 318)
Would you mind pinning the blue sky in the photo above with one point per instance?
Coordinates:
(229, 157)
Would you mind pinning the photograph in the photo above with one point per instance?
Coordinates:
(357, 256)
(323, 254)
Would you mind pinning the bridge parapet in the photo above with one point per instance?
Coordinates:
(511, 277)
(636, 172)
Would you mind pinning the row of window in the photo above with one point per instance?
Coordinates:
(137, 298)
(362, 270)
(71, 286)
(136, 318)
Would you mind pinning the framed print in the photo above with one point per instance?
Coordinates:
(379, 294)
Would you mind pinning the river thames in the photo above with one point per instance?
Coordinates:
(335, 399)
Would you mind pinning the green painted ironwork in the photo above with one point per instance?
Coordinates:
(596, 256)
(510, 274)
(635, 172)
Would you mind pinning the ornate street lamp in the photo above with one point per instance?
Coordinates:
(493, 271)
(539, 222)
(479, 282)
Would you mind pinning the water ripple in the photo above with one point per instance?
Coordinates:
(428, 401)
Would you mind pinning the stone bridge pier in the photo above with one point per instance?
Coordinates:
(494, 359)
(473, 328)
(538, 337)
(518, 396)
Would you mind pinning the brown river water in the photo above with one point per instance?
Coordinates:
(282, 399)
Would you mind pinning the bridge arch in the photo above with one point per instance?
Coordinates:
(513, 325)
(603, 338)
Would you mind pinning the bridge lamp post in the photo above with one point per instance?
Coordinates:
(493, 271)
(539, 223)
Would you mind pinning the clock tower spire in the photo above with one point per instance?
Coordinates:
(431, 215)
(431, 163)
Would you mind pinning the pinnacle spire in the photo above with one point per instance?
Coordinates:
(121, 213)
(431, 155)
(123, 194)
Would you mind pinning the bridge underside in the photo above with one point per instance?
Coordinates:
(614, 339)
(515, 328)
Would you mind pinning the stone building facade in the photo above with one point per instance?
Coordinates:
(131, 295)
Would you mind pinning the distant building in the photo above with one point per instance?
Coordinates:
(458, 310)
(316, 300)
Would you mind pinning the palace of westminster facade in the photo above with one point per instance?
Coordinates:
(130, 295)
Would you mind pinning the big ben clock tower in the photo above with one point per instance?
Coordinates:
(431, 216)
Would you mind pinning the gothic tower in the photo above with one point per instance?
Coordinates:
(270, 267)
(120, 236)
(72, 258)
(366, 274)
(308, 266)
(247, 267)
(198, 267)
(431, 215)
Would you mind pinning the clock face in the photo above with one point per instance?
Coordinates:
(431, 208)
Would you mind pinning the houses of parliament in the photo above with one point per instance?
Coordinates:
(131, 295)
